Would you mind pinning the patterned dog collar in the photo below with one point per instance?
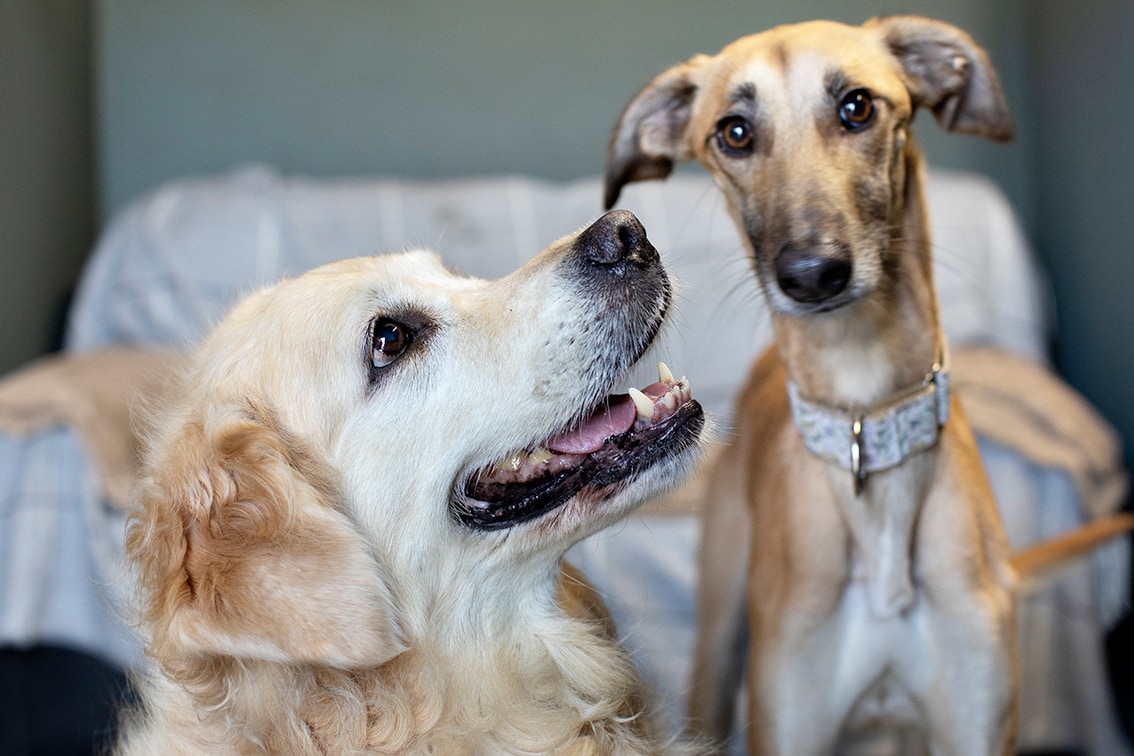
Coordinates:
(890, 433)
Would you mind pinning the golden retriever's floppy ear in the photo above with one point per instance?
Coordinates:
(651, 134)
(241, 552)
(948, 73)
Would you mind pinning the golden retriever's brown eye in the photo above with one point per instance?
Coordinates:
(856, 109)
(391, 339)
(735, 137)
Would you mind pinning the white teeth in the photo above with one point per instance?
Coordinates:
(511, 463)
(644, 404)
(679, 393)
(540, 455)
(521, 459)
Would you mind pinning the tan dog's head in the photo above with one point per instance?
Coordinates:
(806, 129)
(381, 446)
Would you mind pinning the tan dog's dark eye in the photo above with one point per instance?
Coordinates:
(391, 339)
(856, 109)
(735, 137)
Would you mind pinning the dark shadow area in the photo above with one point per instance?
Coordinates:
(57, 702)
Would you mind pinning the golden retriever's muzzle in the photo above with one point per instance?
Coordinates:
(615, 265)
(608, 443)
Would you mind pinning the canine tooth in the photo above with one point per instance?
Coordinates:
(665, 375)
(642, 402)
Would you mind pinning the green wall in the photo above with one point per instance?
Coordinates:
(1083, 66)
(47, 216)
(434, 88)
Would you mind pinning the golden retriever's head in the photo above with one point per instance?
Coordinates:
(380, 444)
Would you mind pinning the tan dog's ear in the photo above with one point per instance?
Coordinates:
(651, 134)
(241, 553)
(948, 73)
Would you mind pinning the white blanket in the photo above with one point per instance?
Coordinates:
(168, 267)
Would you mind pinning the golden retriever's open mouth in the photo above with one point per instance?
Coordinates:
(625, 435)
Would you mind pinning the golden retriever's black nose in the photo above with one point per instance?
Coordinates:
(813, 273)
(616, 237)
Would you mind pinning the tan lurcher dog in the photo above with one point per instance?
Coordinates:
(878, 580)
(354, 512)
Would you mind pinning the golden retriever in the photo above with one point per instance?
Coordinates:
(353, 514)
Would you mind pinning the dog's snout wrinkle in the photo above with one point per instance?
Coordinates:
(813, 273)
(616, 237)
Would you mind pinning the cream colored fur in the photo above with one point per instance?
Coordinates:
(304, 584)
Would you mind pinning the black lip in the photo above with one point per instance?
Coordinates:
(498, 506)
(804, 309)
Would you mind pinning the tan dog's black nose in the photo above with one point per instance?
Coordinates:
(815, 273)
(616, 237)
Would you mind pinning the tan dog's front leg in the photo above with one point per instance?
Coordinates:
(807, 664)
(796, 706)
(970, 707)
(969, 670)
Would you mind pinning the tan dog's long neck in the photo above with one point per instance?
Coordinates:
(858, 355)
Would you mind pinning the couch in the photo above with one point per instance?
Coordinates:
(170, 264)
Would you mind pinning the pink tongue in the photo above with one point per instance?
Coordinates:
(608, 421)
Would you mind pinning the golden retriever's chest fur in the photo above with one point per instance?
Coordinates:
(395, 712)
(558, 683)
